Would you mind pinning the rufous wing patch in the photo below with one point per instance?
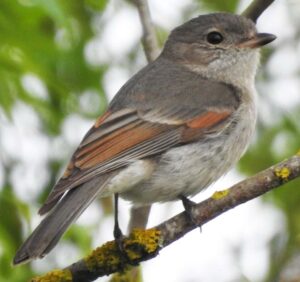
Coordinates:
(71, 165)
(91, 148)
(101, 119)
(208, 119)
(196, 127)
(120, 143)
(68, 170)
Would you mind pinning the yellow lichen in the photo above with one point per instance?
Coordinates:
(220, 194)
(56, 275)
(106, 257)
(283, 173)
(140, 243)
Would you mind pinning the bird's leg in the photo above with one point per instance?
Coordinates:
(188, 205)
(118, 235)
(117, 231)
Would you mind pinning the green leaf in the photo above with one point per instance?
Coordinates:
(220, 6)
(98, 5)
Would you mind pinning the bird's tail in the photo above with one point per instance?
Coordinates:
(53, 226)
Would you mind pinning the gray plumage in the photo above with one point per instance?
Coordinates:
(54, 225)
(173, 129)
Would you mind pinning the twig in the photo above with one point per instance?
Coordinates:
(143, 245)
(149, 39)
(139, 217)
(256, 8)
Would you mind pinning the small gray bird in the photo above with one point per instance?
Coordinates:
(173, 129)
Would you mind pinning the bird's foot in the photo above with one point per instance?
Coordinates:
(188, 206)
(119, 238)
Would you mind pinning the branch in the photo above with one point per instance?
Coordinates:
(256, 8)
(142, 245)
(138, 217)
(149, 38)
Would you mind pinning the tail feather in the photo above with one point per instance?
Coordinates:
(53, 226)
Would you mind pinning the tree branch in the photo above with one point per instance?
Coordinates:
(256, 8)
(142, 245)
(149, 38)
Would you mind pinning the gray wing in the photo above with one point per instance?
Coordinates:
(139, 126)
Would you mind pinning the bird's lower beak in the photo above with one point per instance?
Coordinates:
(259, 40)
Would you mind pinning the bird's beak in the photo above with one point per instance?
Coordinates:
(259, 40)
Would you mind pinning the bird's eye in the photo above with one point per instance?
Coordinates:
(214, 37)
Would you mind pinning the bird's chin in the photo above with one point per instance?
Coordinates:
(240, 67)
(235, 67)
(237, 61)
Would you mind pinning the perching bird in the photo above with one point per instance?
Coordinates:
(174, 128)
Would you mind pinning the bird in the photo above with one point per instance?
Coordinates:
(174, 128)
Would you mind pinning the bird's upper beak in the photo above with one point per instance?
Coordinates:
(260, 39)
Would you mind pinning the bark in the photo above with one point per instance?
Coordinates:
(256, 8)
(149, 38)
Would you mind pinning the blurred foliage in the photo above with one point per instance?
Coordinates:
(10, 234)
(47, 40)
(220, 6)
